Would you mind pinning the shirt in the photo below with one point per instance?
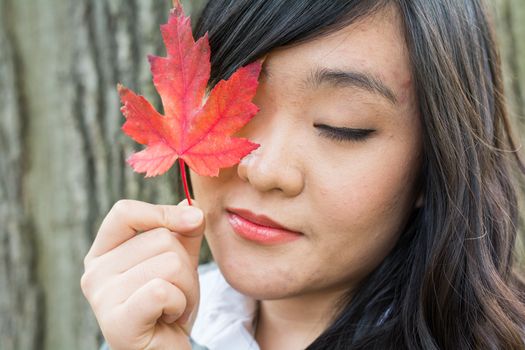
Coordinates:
(225, 317)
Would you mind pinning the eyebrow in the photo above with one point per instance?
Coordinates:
(354, 79)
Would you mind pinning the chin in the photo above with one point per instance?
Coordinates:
(258, 271)
(256, 280)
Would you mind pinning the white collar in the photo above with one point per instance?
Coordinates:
(225, 316)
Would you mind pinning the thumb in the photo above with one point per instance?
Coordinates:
(191, 239)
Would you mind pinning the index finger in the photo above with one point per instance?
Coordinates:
(129, 217)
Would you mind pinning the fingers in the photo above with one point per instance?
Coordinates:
(167, 266)
(192, 239)
(144, 287)
(136, 323)
(138, 249)
(155, 298)
(128, 217)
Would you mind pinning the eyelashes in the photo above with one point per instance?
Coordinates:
(343, 134)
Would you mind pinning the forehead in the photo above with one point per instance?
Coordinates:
(375, 45)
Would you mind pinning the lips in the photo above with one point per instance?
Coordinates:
(259, 228)
(261, 220)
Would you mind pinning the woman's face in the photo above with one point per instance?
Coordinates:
(349, 199)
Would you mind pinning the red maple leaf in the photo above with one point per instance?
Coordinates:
(197, 133)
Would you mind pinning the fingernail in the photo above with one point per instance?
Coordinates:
(192, 216)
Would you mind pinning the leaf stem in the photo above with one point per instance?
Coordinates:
(184, 181)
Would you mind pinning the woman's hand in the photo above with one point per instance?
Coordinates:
(144, 288)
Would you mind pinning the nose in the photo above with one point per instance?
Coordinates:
(275, 165)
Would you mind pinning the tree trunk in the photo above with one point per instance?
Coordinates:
(63, 154)
(62, 162)
(510, 21)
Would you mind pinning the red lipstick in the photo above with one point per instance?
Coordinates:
(259, 228)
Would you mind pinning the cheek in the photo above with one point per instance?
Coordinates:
(366, 188)
(364, 207)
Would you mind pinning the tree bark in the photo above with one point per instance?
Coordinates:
(510, 23)
(63, 154)
(20, 293)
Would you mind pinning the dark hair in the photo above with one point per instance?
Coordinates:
(449, 282)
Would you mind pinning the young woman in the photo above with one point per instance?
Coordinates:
(380, 211)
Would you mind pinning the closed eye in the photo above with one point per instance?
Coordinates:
(343, 134)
